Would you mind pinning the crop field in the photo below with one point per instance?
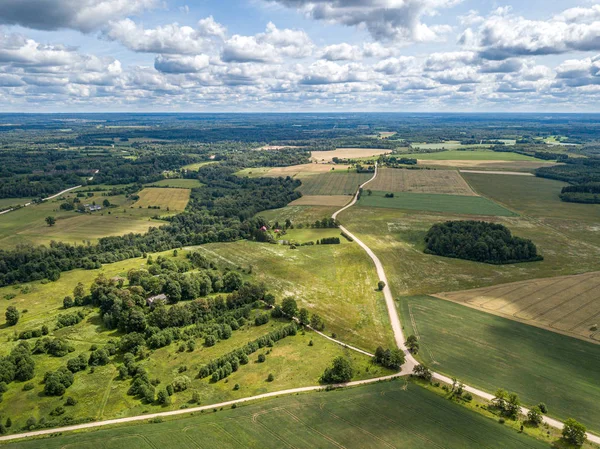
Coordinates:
(165, 198)
(338, 183)
(420, 181)
(298, 214)
(471, 155)
(492, 352)
(386, 415)
(431, 202)
(347, 153)
(322, 200)
(449, 145)
(294, 171)
(566, 304)
(336, 281)
(525, 166)
(177, 183)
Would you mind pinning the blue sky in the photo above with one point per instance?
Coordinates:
(299, 55)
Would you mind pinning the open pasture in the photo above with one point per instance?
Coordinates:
(431, 202)
(566, 304)
(299, 214)
(338, 183)
(177, 183)
(165, 198)
(491, 352)
(420, 181)
(294, 171)
(322, 200)
(347, 153)
(411, 417)
(197, 165)
(471, 155)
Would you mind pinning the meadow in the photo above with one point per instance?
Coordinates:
(524, 166)
(384, 415)
(420, 181)
(338, 183)
(170, 199)
(177, 183)
(431, 202)
(565, 304)
(305, 214)
(336, 281)
(448, 145)
(196, 165)
(322, 200)
(295, 171)
(347, 153)
(492, 352)
(470, 155)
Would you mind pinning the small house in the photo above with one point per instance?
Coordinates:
(155, 300)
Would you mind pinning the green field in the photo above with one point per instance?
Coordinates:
(490, 352)
(197, 165)
(298, 214)
(336, 281)
(470, 155)
(432, 202)
(177, 183)
(335, 183)
(385, 415)
(311, 235)
(450, 145)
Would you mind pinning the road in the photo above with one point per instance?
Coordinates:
(407, 368)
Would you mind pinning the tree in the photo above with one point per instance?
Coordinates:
(261, 358)
(423, 372)
(341, 371)
(303, 316)
(79, 292)
(534, 415)
(380, 285)
(269, 299)
(412, 344)
(317, 323)
(50, 220)
(574, 432)
(106, 203)
(8, 423)
(289, 306)
(163, 397)
(543, 407)
(270, 378)
(232, 281)
(68, 302)
(12, 315)
(392, 359)
(513, 405)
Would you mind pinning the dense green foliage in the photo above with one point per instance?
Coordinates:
(479, 241)
(341, 371)
(582, 193)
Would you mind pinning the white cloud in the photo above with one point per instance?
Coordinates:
(181, 64)
(208, 27)
(341, 52)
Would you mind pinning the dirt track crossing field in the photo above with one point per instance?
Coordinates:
(565, 304)
(421, 181)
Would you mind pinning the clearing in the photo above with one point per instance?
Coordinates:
(177, 183)
(335, 183)
(565, 304)
(322, 200)
(347, 153)
(410, 417)
(163, 198)
(452, 204)
(420, 181)
(492, 352)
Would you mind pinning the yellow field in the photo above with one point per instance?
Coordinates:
(322, 200)
(564, 304)
(498, 165)
(420, 181)
(173, 199)
(346, 153)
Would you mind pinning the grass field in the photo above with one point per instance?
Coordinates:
(197, 165)
(346, 153)
(376, 416)
(452, 204)
(322, 200)
(312, 235)
(177, 183)
(490, 352)
(339, 183)
(299, 214)
(525, 166)
(165, 198)
(567, 304)
(8, 202)
(470, 155)
(295, 171)
(420, 181)
(449, 145)
(336, 281)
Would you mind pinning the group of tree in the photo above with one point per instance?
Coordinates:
(341, 371)
(389, 358)
(479, 241)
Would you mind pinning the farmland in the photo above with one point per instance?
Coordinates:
(452, 204)
(163, 198)
(525, 166)
(410, 417)
(471, 155)
(299, 171)
(492, 352)
(449, 145)
(338, 183)
(347, 153)
(322, 200)
(420, 181)
(177, 183)
(566, 304)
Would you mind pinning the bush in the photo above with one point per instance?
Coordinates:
(28, 386)
(12, 315)
(181, 383)
(71, 401)
(270, 377)
(341, 371)
(574, 432)
(261, 358)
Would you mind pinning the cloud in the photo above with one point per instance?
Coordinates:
(82, 15)
(503, 35)
(328, 72)
(384, 19)
(208, 27)
(341, 52)
(403, 65)
(181, 64)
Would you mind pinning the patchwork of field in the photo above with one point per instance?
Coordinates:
(420, 181)
(347, 153)
(430, 202)
(165, 198)
(322, 200)
(338, 183)
(485, 164)
(177, 183)
(471, 155)
(566, 304)
(386, 415)
(491, 352)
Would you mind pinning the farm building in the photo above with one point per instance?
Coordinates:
(92, 207)
(153, 301)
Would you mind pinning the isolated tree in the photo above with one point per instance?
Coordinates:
(12, 315)
(412, 344)
(289, 306)
(380, 285)
(543, 407)
(303, 316)
(317, 323)
(8, 423)
(261, 358)
(50, 220)
(423, 372)
(270, 378)
(68, 302)
(574, 432)
(341, 371)
(106, 203)
(534, 415)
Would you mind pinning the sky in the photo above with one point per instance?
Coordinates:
(299, 55)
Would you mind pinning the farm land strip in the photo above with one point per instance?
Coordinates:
(337, 183)
(322, 200)
(347, 153)
(420, 181)
(171, 199)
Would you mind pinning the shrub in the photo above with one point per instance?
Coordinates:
(261, 358)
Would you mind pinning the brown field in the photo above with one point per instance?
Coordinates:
(173, 199)
(497, 165)
(346, 153)
(322, 200)
(566, 304)
(421, 181)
